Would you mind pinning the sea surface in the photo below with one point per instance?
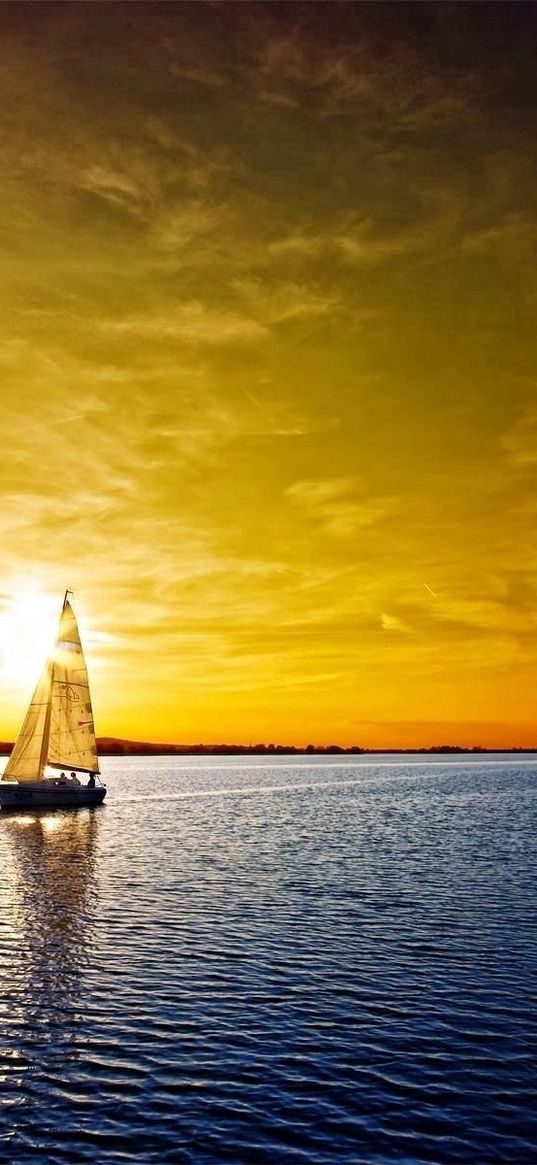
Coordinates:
(303, 960)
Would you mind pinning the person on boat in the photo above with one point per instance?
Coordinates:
(75, 779)
(91, 782)
(63, 779)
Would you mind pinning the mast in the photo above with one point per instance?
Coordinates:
(46, 728)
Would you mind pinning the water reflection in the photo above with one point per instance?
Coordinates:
(48, 887)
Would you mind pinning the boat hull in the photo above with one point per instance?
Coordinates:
(36, 794)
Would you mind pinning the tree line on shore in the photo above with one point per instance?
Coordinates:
(112, 746)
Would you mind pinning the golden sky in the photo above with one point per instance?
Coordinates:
(268, 366)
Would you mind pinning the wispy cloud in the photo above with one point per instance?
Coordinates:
(112, 186)
(512, 238)
(278, 301)
(393, 623)
(192, 323)
(520, 442)
(183, 223)
(339, 505)
(200, 76)
(362, 242)
(392, 84)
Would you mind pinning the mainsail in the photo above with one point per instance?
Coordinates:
(58, 729)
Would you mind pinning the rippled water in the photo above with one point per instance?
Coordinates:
(248, 960)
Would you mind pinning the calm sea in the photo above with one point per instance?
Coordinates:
(290, 960)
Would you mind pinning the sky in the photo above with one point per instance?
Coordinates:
(268, 367)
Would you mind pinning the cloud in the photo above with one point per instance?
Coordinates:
(362, 247)
(112, 186)
(393, 623)
(278, 301)
(512, 238)
(300, 244)
(201, 76)
(185, 222)
(191, 323)
(334, 506)
(262, 306)
(390, 84)
(362, 242)
(520, 443)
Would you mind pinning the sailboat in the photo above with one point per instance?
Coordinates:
(57, 733)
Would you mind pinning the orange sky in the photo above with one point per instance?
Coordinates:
(268, 367)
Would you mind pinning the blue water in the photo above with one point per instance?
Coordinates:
(290, 960)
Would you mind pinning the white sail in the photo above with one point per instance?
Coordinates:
(58, 729)
(26, 760)
(71, 742)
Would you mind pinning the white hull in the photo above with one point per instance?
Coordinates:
(48, 794)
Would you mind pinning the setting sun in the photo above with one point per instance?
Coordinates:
(27, 625)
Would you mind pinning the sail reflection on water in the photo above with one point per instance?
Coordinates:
(48, 887)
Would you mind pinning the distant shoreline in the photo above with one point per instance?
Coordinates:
(112, 746)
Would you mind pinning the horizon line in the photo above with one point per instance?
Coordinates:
(118, 746)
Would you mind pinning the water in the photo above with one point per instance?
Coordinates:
(289, 960)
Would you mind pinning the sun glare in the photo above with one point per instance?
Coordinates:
(27, 627)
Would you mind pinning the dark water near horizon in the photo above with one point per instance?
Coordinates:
(274, 960)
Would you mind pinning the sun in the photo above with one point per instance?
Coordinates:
(28, 623)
